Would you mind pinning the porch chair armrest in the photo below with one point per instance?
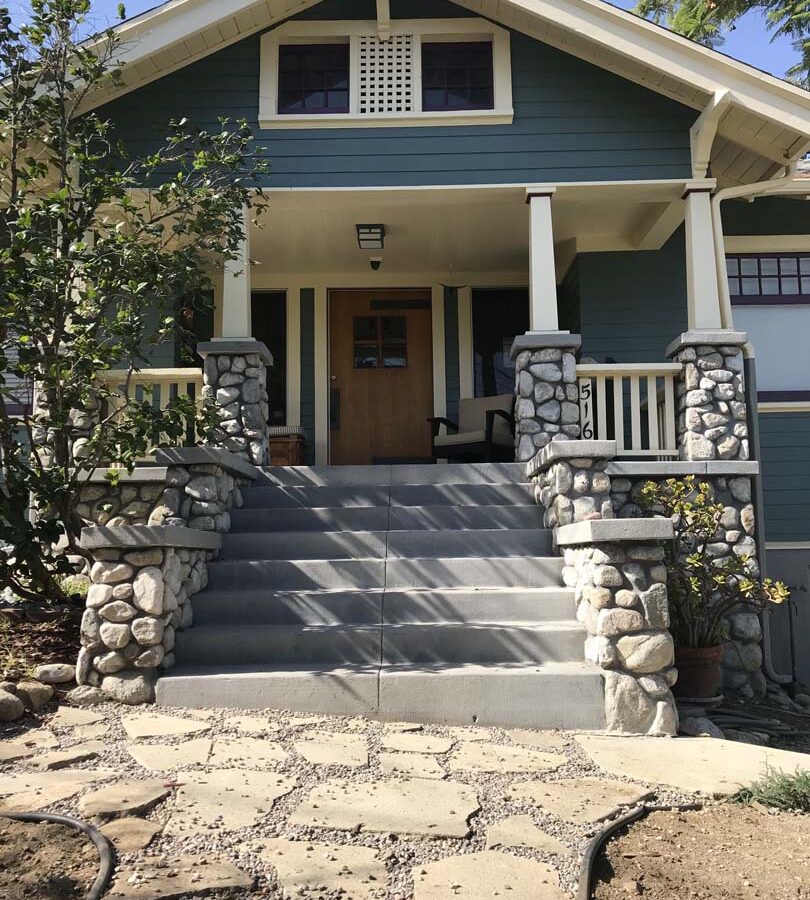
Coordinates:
(502, 413)
(436, 423)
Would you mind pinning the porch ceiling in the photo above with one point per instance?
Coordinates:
(454, 232)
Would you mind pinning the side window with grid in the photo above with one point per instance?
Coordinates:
(769, 278)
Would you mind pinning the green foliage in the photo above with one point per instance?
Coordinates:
(706, 21)
(703, 588)
(98, 251)
(779, 790)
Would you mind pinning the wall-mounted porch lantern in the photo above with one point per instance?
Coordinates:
(370, 237)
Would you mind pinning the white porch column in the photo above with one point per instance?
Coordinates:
(236, 321)
(542, 278)
(702, 290)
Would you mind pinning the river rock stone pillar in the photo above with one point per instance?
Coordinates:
(547, 398)
(711, 402)
(235, 379)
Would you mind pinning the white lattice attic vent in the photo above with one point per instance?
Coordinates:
(386, 74)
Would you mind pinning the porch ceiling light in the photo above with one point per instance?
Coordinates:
(370, 237)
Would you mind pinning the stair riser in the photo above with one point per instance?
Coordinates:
(305, 545)
(500, 607)
(499, 697)
(267, 608)
(246, 645)
(480, 644)
(535, 572)
(472, 473)
(307, 575)
(378, 518)
(436, 544)
(397, 495)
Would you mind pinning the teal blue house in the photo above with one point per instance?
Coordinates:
(447, 175)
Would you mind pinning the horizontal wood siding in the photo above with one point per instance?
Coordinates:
(767, 215)
(785, 450)
(573, 122)
(632, 304)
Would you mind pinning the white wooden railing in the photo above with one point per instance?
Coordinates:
(631, 403)
(159, 385)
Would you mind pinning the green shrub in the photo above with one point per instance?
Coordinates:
(779, 790)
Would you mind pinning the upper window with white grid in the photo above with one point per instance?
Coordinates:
(766, 278)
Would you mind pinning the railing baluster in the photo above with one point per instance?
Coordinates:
(618, 412)
(635, 412)
(652, 410)
(601, 408)
(669, 413)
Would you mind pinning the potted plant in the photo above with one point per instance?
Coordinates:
(704, 586)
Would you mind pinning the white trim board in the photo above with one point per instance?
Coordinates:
(769, 243)
(787, 545)
(783, 406)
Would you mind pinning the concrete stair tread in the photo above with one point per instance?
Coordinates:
(383, 475)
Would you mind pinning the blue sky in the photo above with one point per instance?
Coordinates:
(749, 42)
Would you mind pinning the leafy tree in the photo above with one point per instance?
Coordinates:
(97, 248)
(705, 21)
(703, 587)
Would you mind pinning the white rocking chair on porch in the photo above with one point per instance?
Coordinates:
(485, 431)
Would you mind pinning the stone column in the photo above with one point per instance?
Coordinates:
(616, 568)
(235, 376)
(712, 411)
(143, 578)
(547, 406)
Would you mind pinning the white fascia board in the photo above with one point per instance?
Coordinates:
(669, 53)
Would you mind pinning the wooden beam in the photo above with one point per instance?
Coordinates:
(703, 132)
(383, 19)
(657, 225)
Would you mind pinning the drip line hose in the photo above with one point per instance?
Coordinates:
(598, 841)
(105, 849)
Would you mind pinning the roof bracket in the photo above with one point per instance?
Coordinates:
(383, 19)
(703, 132)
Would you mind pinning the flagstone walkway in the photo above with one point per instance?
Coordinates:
(276, 805)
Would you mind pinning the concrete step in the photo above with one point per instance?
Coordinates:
(331, 476)
(504, 606)
(372, 544)
(360, 518)
(267, 607)
(295, 545)
(296, 575)
(474, 543)
(560, 695)
(229, 645)
(284, 497)
(482, 643)
(381, 518)
(483, 572)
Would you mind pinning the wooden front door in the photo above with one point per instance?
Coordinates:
(381, 376)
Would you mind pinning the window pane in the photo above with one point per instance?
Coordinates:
(788, 265)
(498, 316)
(769, 266)
(457, 76)
(806, 286)
(395, 356)
(365, 358)
(734, 286)
(749, 266)
(306, 72)
(804, 265)
(750, 286)
(393, 328)
(790, 286)
(732, 265)
(365, 328)
(770, 285)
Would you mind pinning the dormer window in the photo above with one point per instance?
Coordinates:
(426, 72)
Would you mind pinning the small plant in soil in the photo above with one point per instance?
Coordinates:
(703, 588)
(779, 790)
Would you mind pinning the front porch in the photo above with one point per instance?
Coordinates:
(459, 274)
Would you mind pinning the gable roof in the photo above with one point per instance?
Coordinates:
(756, 124)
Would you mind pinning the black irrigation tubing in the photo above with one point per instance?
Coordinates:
(104, 847)
(598, 841)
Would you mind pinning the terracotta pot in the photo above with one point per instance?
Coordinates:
(699, 672)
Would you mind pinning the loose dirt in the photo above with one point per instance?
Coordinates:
(45, 862)
(722, 852)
